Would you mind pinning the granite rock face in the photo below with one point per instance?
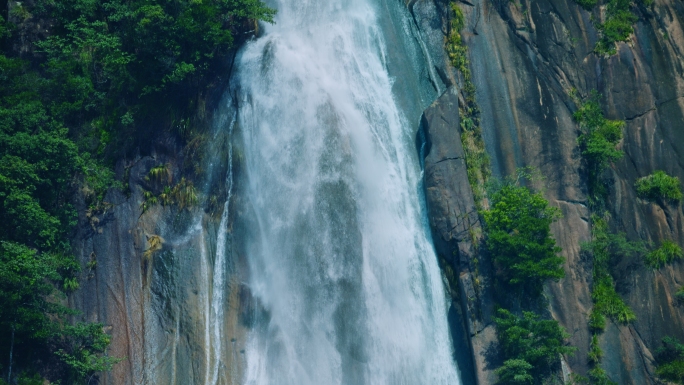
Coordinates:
(157, 302)
(527, 58)
(456, 232)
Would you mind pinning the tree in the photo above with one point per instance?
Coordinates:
(531, 346)
(25, 284)
(519, 237)
(670, 361)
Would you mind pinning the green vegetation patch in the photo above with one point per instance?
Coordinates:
(598, 140)
(519, 238)
(476, 158)
(670, 361)
(659, 185)
(531, 346)
(667, 253)
(617, 27)
(606, 247)
(618, 24)
(109, 73)
(598, 376)
(33, 317)
(680, 294)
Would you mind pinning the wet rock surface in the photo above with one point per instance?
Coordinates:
(527, 59)
(456, 233)
(155, 300)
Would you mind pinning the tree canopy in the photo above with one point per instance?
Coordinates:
(75, 99)
(519, 237)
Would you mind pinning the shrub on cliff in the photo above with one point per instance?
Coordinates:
(659, 185)
(531, 346)
(667, 253)
(670, 361)
(598, 140)
(519, 238)
(606, 247)
(33, 318)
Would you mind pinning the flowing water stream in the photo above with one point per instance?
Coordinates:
(341, 265)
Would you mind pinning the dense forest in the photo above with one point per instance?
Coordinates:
(82, 83)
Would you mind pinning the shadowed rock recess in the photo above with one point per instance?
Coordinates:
(530, 60)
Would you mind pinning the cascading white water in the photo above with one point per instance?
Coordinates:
(214, 313)
(340, 259)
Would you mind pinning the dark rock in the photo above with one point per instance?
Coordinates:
(456, 230)
(526, 61)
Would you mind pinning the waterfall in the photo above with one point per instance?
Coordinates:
(341, 267)
(214, 327)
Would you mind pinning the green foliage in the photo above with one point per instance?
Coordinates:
(670, 361)
(659, 185)
(599, 376)
(29, 306)
(114, 62)
(477, 160)
(606, 247)
(667, 253)
(519, 237)
(514, 371)
(680, 294)
(37, 162)
(607, 303)
(26, 283)
(587, 4)
(184, 194)
(597, 143)
(26, 378)
(83, 348)
(595, 352)
(618, 23)
(617, 27)
(532, 347)
(576, 379)
(107, 69)
(160, 174)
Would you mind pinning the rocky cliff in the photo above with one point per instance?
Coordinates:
(529, 60)
(152, 275)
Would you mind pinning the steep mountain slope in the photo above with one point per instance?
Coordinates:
(530, 61)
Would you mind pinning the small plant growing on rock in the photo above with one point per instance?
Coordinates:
(670, 361)
(604, 247)
(597, 142)
(659, 185)
(155, 242)
(667, 253)
(599, 376)
(680, 294)
(160, 174)
(595, 352)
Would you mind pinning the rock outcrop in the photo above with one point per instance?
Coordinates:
(150, 279)
(456, 233)
(529, 60)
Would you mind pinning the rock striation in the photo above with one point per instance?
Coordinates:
(529, 62)
(156, 299)
(456, 232)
